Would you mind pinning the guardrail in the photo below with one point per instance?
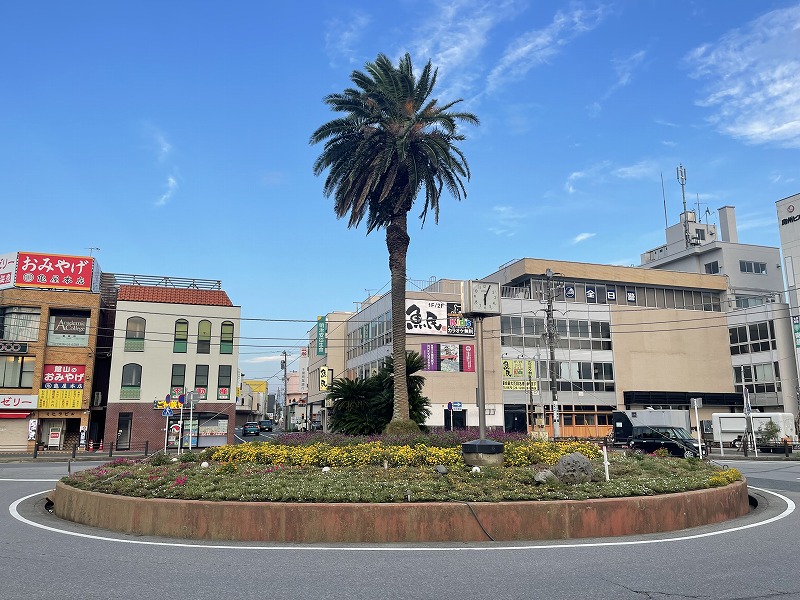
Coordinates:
(75, 451)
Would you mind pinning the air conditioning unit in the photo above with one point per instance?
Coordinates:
(98, 399)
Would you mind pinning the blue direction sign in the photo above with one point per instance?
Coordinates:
(167, 412)
(458, 406)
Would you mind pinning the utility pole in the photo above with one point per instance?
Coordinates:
(682, 180)
(552, 336)
(285, 366)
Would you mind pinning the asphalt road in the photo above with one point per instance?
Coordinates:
(42, 557)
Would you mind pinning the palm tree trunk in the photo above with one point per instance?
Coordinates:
(397, 241)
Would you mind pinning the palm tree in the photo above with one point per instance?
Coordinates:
(365, 406)
(392, 140)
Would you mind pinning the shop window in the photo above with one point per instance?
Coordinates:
(181, 336)
(200, 376)
(134, 334)
(16, 371)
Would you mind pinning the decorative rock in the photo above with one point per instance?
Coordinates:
(543, 476)
(204, 464)
(476, 470)
(573, 468)
(325, 469)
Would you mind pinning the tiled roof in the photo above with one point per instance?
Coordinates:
(148, 293)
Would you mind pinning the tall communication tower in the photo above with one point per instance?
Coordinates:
(682, 181)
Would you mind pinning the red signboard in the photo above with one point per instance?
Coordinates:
(63, 377)
(54, 271)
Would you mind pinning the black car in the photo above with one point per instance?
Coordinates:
(265, 425)
(676, 440)
(251, 427)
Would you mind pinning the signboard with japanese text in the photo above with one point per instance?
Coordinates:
(223, 393)
(200, 393)
(519, 374)
(796, 329)
(19, 402)
(70, 331)
(54, 271)
(63, 377)
(257, 385)
(58, 398)
(163, 403)
(322, 340)
(431, 317)
(8, 262)
(324, 378)
(448, 358)
(303, 374)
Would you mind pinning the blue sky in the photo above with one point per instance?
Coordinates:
(173, 136)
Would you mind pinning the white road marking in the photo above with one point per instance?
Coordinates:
(790, 506)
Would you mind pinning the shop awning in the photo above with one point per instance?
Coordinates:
(14, 415)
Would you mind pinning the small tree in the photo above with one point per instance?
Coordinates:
(769, 431)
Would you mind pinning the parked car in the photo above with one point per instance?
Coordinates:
(251, 427)
(676, 440)
(265, 425)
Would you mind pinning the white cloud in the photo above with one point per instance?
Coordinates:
(342, 37)
(752, 78)
(538, 46)
(172, 187)
(644, 169)
(507, 220)
(263, 359)
(582, 237)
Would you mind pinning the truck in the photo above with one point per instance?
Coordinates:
(650, 430)
(729, 428)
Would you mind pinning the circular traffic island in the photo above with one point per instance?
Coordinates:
(262, 500)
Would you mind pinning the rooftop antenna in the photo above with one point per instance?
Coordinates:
(664, 196)
(682, 180)
(90, 248)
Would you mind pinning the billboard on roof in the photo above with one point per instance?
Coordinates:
(8, 263)
(56, 271)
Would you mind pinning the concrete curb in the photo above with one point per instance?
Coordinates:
(408, 522)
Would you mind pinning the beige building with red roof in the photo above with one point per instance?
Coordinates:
(174, 341)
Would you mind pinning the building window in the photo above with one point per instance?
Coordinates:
(224, 382)
(68, 328)
(749, 266)
(181, 336)
(756, 337)
(200, 376)
(131, 382)
(226, 338)
(20, 323)
(134, 334)
(204, 337)
(16, 371)
(178, 376)
(712, 268)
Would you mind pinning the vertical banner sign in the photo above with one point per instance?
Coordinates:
(796, 328)
(322, 329)
(324, 379)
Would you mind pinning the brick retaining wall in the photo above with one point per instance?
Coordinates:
(411, 522)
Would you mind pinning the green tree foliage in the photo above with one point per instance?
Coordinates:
(392, 141)
(365, 406)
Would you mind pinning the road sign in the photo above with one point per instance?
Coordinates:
(167, 412)
(181, 399)
(457, 406)
(449, 406)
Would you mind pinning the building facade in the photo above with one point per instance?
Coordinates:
(172, 343)
(49, 315)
